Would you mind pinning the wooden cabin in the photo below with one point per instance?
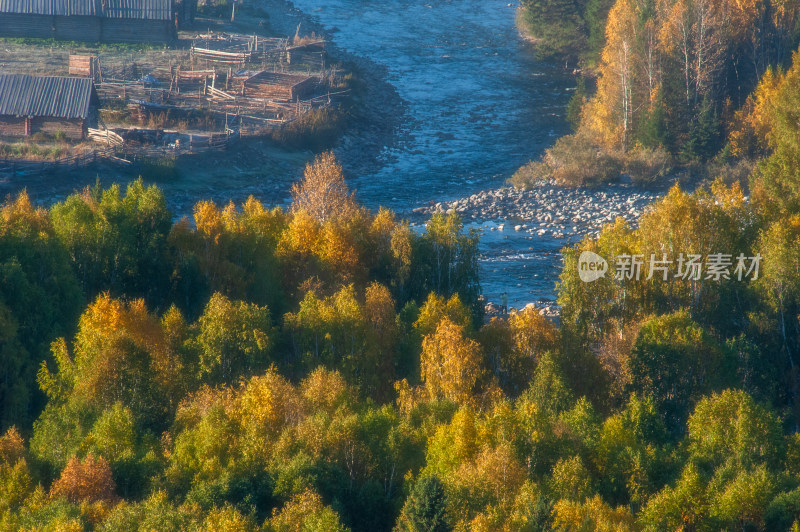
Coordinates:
(93, 20)
(50, 104)
(277, 86)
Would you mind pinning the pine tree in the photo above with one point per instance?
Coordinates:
(425, 509)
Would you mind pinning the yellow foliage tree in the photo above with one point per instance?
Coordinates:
(114, 353)
(267, 404)
(436, 308)
(323, 192)
(609, 115)
(227, 519)
(305, 512)
(592, 515)
(752, 123)
(451, 363)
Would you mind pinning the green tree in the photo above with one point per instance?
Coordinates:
(445, 261)
(117, 242)
(235, 340)
(40, 300)
(775, 181)
(704, 139)
(632, 455)
(676, 362)
(549, 389)
(425, 510)
(730, 428)
(779, 291)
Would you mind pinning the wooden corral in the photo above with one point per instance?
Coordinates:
(305, 51)
(90, 20)
(278, 86)
(49, 104)
(238, 49)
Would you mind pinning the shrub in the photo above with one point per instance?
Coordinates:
(647, 166)
(214, 8)
(317, 130)
(158, 169)
(732, 172)
(573, 161)
(532, 173)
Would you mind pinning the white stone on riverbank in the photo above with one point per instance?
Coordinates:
(550, 210)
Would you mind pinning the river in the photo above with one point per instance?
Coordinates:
(478, 106)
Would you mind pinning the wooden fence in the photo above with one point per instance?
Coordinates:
(115, 152)
(22, 167)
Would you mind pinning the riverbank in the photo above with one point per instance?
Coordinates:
(523, 229)
(252, 166)
(547, 210)
(376, 109)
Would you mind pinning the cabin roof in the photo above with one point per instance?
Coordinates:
(133, 9)
(50, 96)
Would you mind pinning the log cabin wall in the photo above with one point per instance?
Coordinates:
(93, 20)
(74, 129)
(12, 126)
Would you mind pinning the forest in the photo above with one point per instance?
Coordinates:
(327, 368)
(667, 87)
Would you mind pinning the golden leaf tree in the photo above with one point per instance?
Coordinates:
(323, 193)
(451, 363)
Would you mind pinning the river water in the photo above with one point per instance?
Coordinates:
(478, 106)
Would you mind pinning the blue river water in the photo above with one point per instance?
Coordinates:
(479, 105)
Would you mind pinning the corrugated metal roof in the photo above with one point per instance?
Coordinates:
(52, 7)
(138, 9)
(53, 96)
(141, 9)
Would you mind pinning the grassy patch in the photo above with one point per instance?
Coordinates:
(552, 37)
(159, 170)
(573, 161)
(31, 151)
(122, 47)
(316, 131)
(184, 120)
